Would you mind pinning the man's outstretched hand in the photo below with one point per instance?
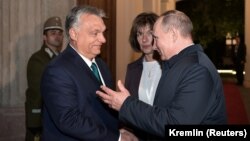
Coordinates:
(112, 98)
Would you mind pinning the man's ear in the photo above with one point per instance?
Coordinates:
(44, 37)
(174, 34)
(73, 34)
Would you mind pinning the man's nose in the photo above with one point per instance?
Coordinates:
(144, 37)
(102, 38)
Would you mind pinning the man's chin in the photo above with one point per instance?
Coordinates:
(98, 52)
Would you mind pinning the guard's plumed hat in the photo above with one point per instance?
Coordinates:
(53, 23)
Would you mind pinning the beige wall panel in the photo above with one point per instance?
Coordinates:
(126, 12)
(5, 54)
(247, 41)
(13, 27)
(1, 48)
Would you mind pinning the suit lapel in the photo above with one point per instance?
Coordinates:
(103, 71)
(80, 64)
(136, 76)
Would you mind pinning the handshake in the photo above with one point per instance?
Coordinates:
(127, 136)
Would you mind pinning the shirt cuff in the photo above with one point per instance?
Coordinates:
(119, 137)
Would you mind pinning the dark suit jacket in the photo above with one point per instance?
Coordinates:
(72, 111)
(35, 68)
(190, 91)
(240, 55)
(133, 76)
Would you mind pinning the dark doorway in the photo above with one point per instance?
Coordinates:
(213, 20)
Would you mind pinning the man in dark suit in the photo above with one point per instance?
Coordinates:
(239, 58)
(53, 40)
(190, 90)
(72, 111)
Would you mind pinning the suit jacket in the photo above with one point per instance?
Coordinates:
(133, 76)
(72, 111)
(190, 91)
(239, 55)
(33, 103)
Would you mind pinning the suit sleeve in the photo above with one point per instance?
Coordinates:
(189, 105)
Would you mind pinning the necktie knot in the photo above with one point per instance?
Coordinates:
(95, 71)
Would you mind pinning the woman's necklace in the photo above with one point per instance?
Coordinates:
(151, 72)
(149, 81)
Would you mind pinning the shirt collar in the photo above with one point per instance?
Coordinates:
(190, 49)
(50, 51)
(86, 60)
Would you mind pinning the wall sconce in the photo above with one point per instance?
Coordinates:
(229, 41)
(234, 41)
